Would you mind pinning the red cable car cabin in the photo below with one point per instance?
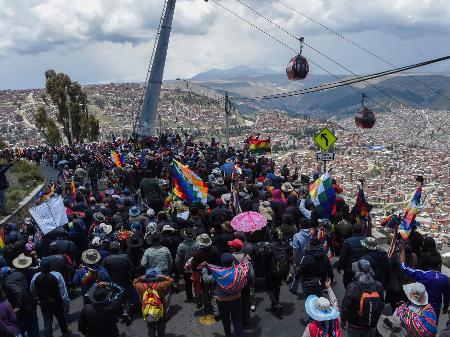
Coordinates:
(297, 68)
(365, 118)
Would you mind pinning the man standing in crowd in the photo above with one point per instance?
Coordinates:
(351, 251)
(49, 288)
(99, 318)
(363, 302)
(378, 259)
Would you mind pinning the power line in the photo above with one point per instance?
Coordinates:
(362, 48)
(335, 62)
(338, 78)
(354, 80)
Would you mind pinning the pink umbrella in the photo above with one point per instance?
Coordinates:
(248, 222)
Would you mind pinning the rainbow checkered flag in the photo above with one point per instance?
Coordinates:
(323, 195)
(187, 185)
(409, 218)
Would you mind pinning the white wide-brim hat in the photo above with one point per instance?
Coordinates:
(416, 293)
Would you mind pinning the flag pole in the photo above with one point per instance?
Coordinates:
(172, 206)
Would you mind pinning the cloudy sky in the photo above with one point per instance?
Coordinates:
(97, 41)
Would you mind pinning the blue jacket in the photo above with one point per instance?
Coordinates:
(436, 284)
(299, 244)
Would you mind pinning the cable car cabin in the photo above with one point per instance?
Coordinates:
(298, 68)
(365, 118)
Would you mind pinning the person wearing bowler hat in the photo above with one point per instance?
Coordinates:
(185, 251)
(99, 318)
(90, 272)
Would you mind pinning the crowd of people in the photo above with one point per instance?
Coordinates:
(130, 243)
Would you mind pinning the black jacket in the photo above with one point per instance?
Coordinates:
(59, 263)
(278, 208)
(4, 331)
(66, 247)
(221, 241)
(17, 292)
(296, 214)
(217, 191)
(315, 264)
(351, 251)
(219, 214)
(119, 268)
(379, 261)
(47, 288)
(100, 320)
(210, 255)
(275, 249)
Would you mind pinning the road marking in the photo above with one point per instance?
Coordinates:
(207, 320)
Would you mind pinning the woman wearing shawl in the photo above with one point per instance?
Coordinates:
(230, 281)
(418, 317)
(325, 315)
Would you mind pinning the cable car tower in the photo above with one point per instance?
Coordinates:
(150, 95)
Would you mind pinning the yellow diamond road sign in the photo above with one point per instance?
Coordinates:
(325, 139)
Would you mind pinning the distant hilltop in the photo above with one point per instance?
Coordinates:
(342, 102)
(232, 73)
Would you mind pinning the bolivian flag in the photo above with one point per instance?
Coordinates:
(259, 146)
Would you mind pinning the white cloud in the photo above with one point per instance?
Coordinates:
(118, 34)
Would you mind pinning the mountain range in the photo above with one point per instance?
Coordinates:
(419, 91)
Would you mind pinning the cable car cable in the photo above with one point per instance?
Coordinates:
(337, 84)
(284, 44)
(362, 48)
(335, 62)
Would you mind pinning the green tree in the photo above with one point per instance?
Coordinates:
(47, 126)
(2, 144)
(72, 104)
(94, 128)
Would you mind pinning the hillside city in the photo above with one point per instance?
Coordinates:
(388, 156)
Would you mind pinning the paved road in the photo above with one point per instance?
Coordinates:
(184, 318)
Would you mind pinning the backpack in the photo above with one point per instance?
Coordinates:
(370, 307)
(152, 307)
(259, 264)
(280, 263)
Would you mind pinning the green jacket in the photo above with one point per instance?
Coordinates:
(150, 189)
